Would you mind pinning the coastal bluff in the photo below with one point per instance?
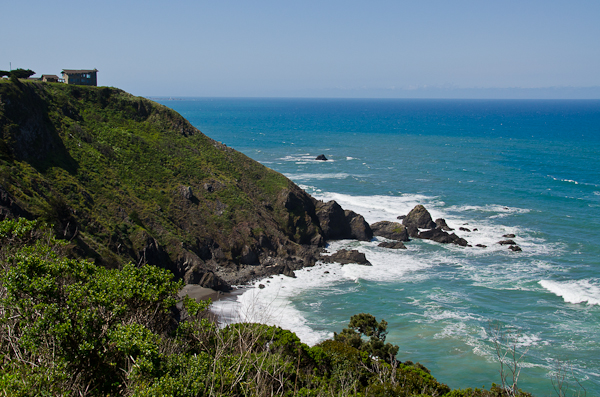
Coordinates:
(124, 179)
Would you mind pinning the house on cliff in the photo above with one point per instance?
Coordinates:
(80, 77)
(50, 78)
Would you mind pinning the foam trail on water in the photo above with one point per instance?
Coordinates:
(272, 304)
(575, 291)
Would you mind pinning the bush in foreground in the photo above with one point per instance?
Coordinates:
(71, 328)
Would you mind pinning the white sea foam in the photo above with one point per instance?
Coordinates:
(575, 291)
(483, 231)
(494, 210)
(273, 303)
(379, 208)
(322, 176)
(573, 181)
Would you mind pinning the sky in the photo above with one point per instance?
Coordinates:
(325, 48)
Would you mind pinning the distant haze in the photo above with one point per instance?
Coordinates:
(327, 48)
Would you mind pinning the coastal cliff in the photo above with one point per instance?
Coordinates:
(126, 179)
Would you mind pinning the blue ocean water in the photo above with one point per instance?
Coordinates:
(494, 167)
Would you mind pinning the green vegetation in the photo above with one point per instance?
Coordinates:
(366, 325)
(72, 328)
(125, 179)
(111, 178)
(17, 74)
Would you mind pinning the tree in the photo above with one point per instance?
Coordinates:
(366, 325)
(21, 73)
(4, 73)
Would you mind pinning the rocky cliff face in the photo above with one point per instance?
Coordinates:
(126, 179)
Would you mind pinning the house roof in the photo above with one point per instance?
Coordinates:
(72, 71)
(52, 76)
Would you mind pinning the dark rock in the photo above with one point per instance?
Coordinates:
(475, 230)
(359, 228)
(321, 157)
(186, 192)
(420, 218)
(507, 242)
(392, 245)
(515, 248)
(302, 222)
(288, 272)
(332, 220)
(481, 246)
(464, 229)
(413, 231)
(206, 279)
(391, 230)
(443, 237)
(510, 235)
(261, 286)
(249, 256)
(344, 257)
(338, 224)
(265, 243)
(326, 272)
(441, 224)
(400, 217)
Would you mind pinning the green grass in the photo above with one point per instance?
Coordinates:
(116, 159)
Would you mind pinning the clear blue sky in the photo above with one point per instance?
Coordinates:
(313, 48)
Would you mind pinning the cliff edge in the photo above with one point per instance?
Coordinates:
(126, 179)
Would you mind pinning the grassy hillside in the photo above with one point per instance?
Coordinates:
(125, 178)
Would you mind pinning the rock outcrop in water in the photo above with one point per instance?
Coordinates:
(339, 224)
(345, 257)
(390, 230)
(419, 218)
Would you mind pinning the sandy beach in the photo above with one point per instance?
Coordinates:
(199, 293)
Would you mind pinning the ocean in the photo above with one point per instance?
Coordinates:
(493, 167)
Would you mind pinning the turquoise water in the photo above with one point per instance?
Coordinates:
(531, 168)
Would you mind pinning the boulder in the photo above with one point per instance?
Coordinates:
(413, 231)
(359, 228)
(338, 224)
(392, 230)
(443, 237)
(420, 218)
(481, 245)
(507, 242)
(206, 279)
(515, 248)
(392, 245)
(186, 192)
(344, 257)
(441, 224)
(332, 220)
(510, 235)
(321, 157)
(464, 229)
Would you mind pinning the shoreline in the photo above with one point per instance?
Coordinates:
(199, 293)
